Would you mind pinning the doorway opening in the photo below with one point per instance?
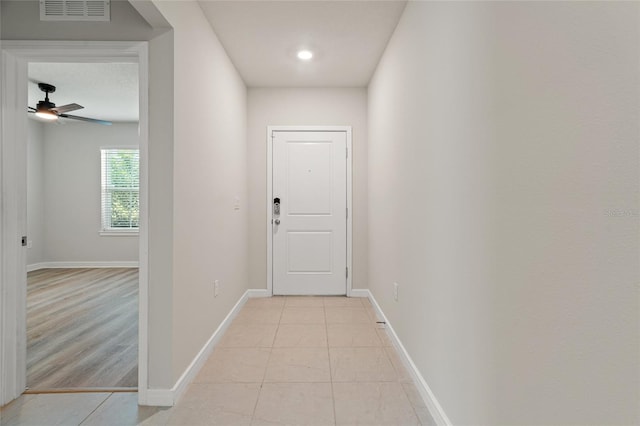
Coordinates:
(16, 58)
(82, 227)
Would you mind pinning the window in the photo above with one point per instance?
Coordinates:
(120, 190)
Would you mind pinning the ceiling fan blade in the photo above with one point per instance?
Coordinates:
(90, 120)
(66, 108)
(32, 109)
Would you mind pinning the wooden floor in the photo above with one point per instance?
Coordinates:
(82, 328)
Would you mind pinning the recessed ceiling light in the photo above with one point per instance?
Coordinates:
(305, 55)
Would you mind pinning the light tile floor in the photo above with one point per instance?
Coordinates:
(283, 361)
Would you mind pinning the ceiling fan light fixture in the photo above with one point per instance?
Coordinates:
(49, 111)
(47, 115)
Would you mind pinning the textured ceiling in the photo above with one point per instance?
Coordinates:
(108, 91)
(262, 38)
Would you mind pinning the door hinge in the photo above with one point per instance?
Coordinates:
(347, 212)
(346, 270)
(346, 150)
(24, 241)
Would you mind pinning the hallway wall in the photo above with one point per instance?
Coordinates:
(317, 106)
(210, 236)
(503, 198)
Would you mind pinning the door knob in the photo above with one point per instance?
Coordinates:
(277, 221)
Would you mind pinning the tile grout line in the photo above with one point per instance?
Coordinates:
(264, 375)
(95, 409)
(326, 332)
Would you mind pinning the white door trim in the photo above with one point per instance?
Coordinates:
(269, 229)
(13, 132)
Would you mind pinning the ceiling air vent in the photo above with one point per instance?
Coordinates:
(75, 10)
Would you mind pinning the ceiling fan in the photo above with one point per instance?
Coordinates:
(49, 111)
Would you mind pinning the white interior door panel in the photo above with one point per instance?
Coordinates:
(310, 232)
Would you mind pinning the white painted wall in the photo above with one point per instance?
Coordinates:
(503, 198)
(160, 222)
(326, 106)
(72, 193)
(35, 193)
(210, 237)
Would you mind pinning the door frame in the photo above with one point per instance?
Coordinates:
(13, 133)
(349, 183)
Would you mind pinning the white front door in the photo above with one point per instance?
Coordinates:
(310, 229)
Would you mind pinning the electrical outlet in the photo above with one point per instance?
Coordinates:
(395, 291)
(216, 288)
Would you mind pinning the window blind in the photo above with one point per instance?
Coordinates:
(120, 189)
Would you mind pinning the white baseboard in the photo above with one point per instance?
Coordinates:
(258, 292)
(158, 398)
(169, 397)
(96, 264)
(36, 266)
(359, 292)
(434, 407)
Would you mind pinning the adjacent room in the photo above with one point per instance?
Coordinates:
(82, 217)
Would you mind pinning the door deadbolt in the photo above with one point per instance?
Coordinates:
(276, 206)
